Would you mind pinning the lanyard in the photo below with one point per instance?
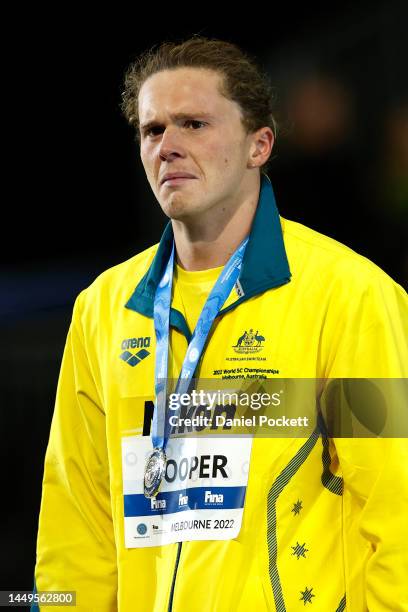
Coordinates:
(162, 300)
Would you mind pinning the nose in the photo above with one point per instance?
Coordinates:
(171, 146)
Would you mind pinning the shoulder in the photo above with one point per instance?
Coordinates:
(359, 313)
(319, 259)
(114, 286)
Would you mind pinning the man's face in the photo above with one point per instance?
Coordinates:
(187, 126)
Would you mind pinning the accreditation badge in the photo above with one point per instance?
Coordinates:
(201, 497)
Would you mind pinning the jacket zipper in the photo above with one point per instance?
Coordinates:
(173, 584)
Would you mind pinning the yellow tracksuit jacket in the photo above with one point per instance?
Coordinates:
(323, 311)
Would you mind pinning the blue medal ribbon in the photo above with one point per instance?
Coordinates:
(162, 302)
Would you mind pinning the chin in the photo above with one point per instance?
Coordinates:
(177, 209)
(177, 214)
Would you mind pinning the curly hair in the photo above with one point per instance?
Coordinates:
(243, 81)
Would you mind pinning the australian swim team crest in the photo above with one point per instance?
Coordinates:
(249, 342)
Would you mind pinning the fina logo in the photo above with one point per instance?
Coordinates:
(157, 504)
(249, 342)
(183, 500)
(213, 498)
(141, 343)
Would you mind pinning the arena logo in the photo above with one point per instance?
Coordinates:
(249, 342)
(133, 359)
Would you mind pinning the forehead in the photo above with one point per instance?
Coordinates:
(183, 90)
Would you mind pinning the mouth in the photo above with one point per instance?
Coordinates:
(180, 180)
(177, 179)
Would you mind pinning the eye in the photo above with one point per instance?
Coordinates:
(156, 130)
(153, 131)
(194, 123)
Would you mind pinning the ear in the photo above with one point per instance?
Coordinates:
(261, 147)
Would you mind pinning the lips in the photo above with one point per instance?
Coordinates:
(173, 182)
(173, 176)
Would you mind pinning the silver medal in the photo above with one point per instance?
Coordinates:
(154, 472)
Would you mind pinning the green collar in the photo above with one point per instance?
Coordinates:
(264, 266)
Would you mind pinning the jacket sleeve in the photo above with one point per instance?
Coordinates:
(372, 343)
(76, 546)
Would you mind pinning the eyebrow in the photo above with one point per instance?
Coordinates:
(177, 117)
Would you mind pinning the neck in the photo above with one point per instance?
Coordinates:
(209, 242)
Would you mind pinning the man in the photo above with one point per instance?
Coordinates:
(322, 523)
